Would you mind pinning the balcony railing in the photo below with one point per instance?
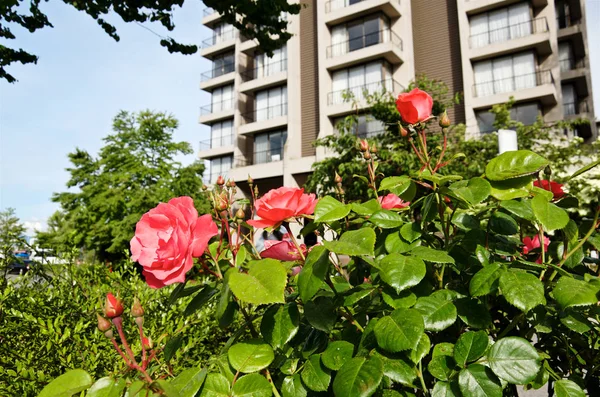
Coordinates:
(509, 32)
(219, 38)
(367, 40)
(207, 11)
(265, 70)
(571, 64)
(267, 113)
(571, 108)
(216, 72)
(221, 141)
(333, 5)
(512, 83)
(261, 157)
(566, 21)
(358, 92)
(216, 107)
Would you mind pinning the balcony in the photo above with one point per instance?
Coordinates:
(261, 157)
(359, 92)
(538, 86)
(382, 44)
(478, 6)
(217, 111)
(264, 76)
(264, 119)
(339, 11)
(218, 43)
(217, 76)
(568, 26)
(216, 147)
(575, 108)
(533, 34)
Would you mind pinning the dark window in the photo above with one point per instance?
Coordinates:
(364, 33)
(526, 113)
(268, 147)
(223, 64)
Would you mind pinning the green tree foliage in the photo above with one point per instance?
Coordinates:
(11, 238)
(134, 171)
(261, 20)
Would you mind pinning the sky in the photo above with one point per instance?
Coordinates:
(83, 78)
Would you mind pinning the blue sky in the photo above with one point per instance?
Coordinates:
(83, 78)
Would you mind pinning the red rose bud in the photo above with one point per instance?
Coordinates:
(113, 306)
(136, 309)
(230, 183)
(220, 181)
(403, 131)
(222, 202)
(103, 324)
(364, 145)
(147, 343)
(445, 120)
(367, 156)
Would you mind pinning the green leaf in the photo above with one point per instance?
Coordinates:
(401, 272)
(503, 224)
(514, 360)
(404, 299)
(107, 387)
(395, 184)
(585, 168)
(465, 221)
(264, 283)
(188, 382)
(443, 349)
(473, 191)
(134, 388)
(395, 244)
(165, 388)
(367, 208)
(479, 381)
(280, 324)
(359, 377)
(522, 290)
(410, 231)
(69, 383)
(226, 307)
(315, 375)
(200, 300)
(548, 214)
(292, 387)
(514, 164)
(441, 367)
(567, 388)
(431, 255)
(522, 209)
(470, 347)
(401, 330)
(438, 314)
(252, 385)
(421, 350)
(321, 313)
(250, 356)
(313, 273)
(445, 389)
(576, 321)
(172, 346)
(386, 219)
(473, 313)
(336, 354)
(570, 292)
(486, 280)
(329, 209)
(512, 188)
(354, 243)
(397, 368)
(215, 385)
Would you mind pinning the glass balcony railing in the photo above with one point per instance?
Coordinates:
(216, 142)
(266, 113)
(216, 72)
(512, 83)
(260, 157)
(333, 5)
(571, 108)
(216, 107)
(219, 38)
(367, 40)
(265, 70)
(360, 91)
(571, 64)
(509, 32)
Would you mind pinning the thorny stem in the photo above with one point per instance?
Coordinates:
(275, 392)
(249, 321)
(541, 238)
(293, 238)
(141, 330)
(515, 321)
(420, 375)
(444, 145)
(116, 345)
(118, 322)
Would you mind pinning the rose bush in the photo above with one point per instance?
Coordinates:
(456, 293)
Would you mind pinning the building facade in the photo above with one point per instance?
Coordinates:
(265, 112)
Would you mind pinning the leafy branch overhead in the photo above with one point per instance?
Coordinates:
(260, 20)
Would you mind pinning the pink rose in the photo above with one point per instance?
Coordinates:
(414, 106)
(282, 250)
(167, 238)
(392, 201)
(531, 244)
(281, 204)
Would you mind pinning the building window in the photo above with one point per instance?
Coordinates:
(221, 134)
(371, 77)
(223, 64)
(222, 32)
(505, 74)
(222, 99)
(267, 66)
(268, 147)
(502, 25)
(219, 166)
(569, 98)
(526, 113)
(271, 103)
(359, 34)
(565, 56)
(365, 126)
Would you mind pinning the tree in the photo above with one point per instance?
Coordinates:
(11, 238)
(262, 20)
(135, 170)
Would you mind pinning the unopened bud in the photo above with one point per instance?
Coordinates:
(403, 131)
(255, 191)
(548, 171)
(367, 155)
(136, 309)
(147, 343)
(240, 214)
(103, 324)
(230, 183)
(204, 187)
(374, 149)
(113, 307)
(221, 202)
(139, 321)
(445, 120)
(364, 145)
(109, 334)
(220, 180)
(337, 179)
(250, 180)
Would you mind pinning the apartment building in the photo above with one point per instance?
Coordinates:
(265, 112)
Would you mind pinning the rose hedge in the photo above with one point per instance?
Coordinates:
(449, 295)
